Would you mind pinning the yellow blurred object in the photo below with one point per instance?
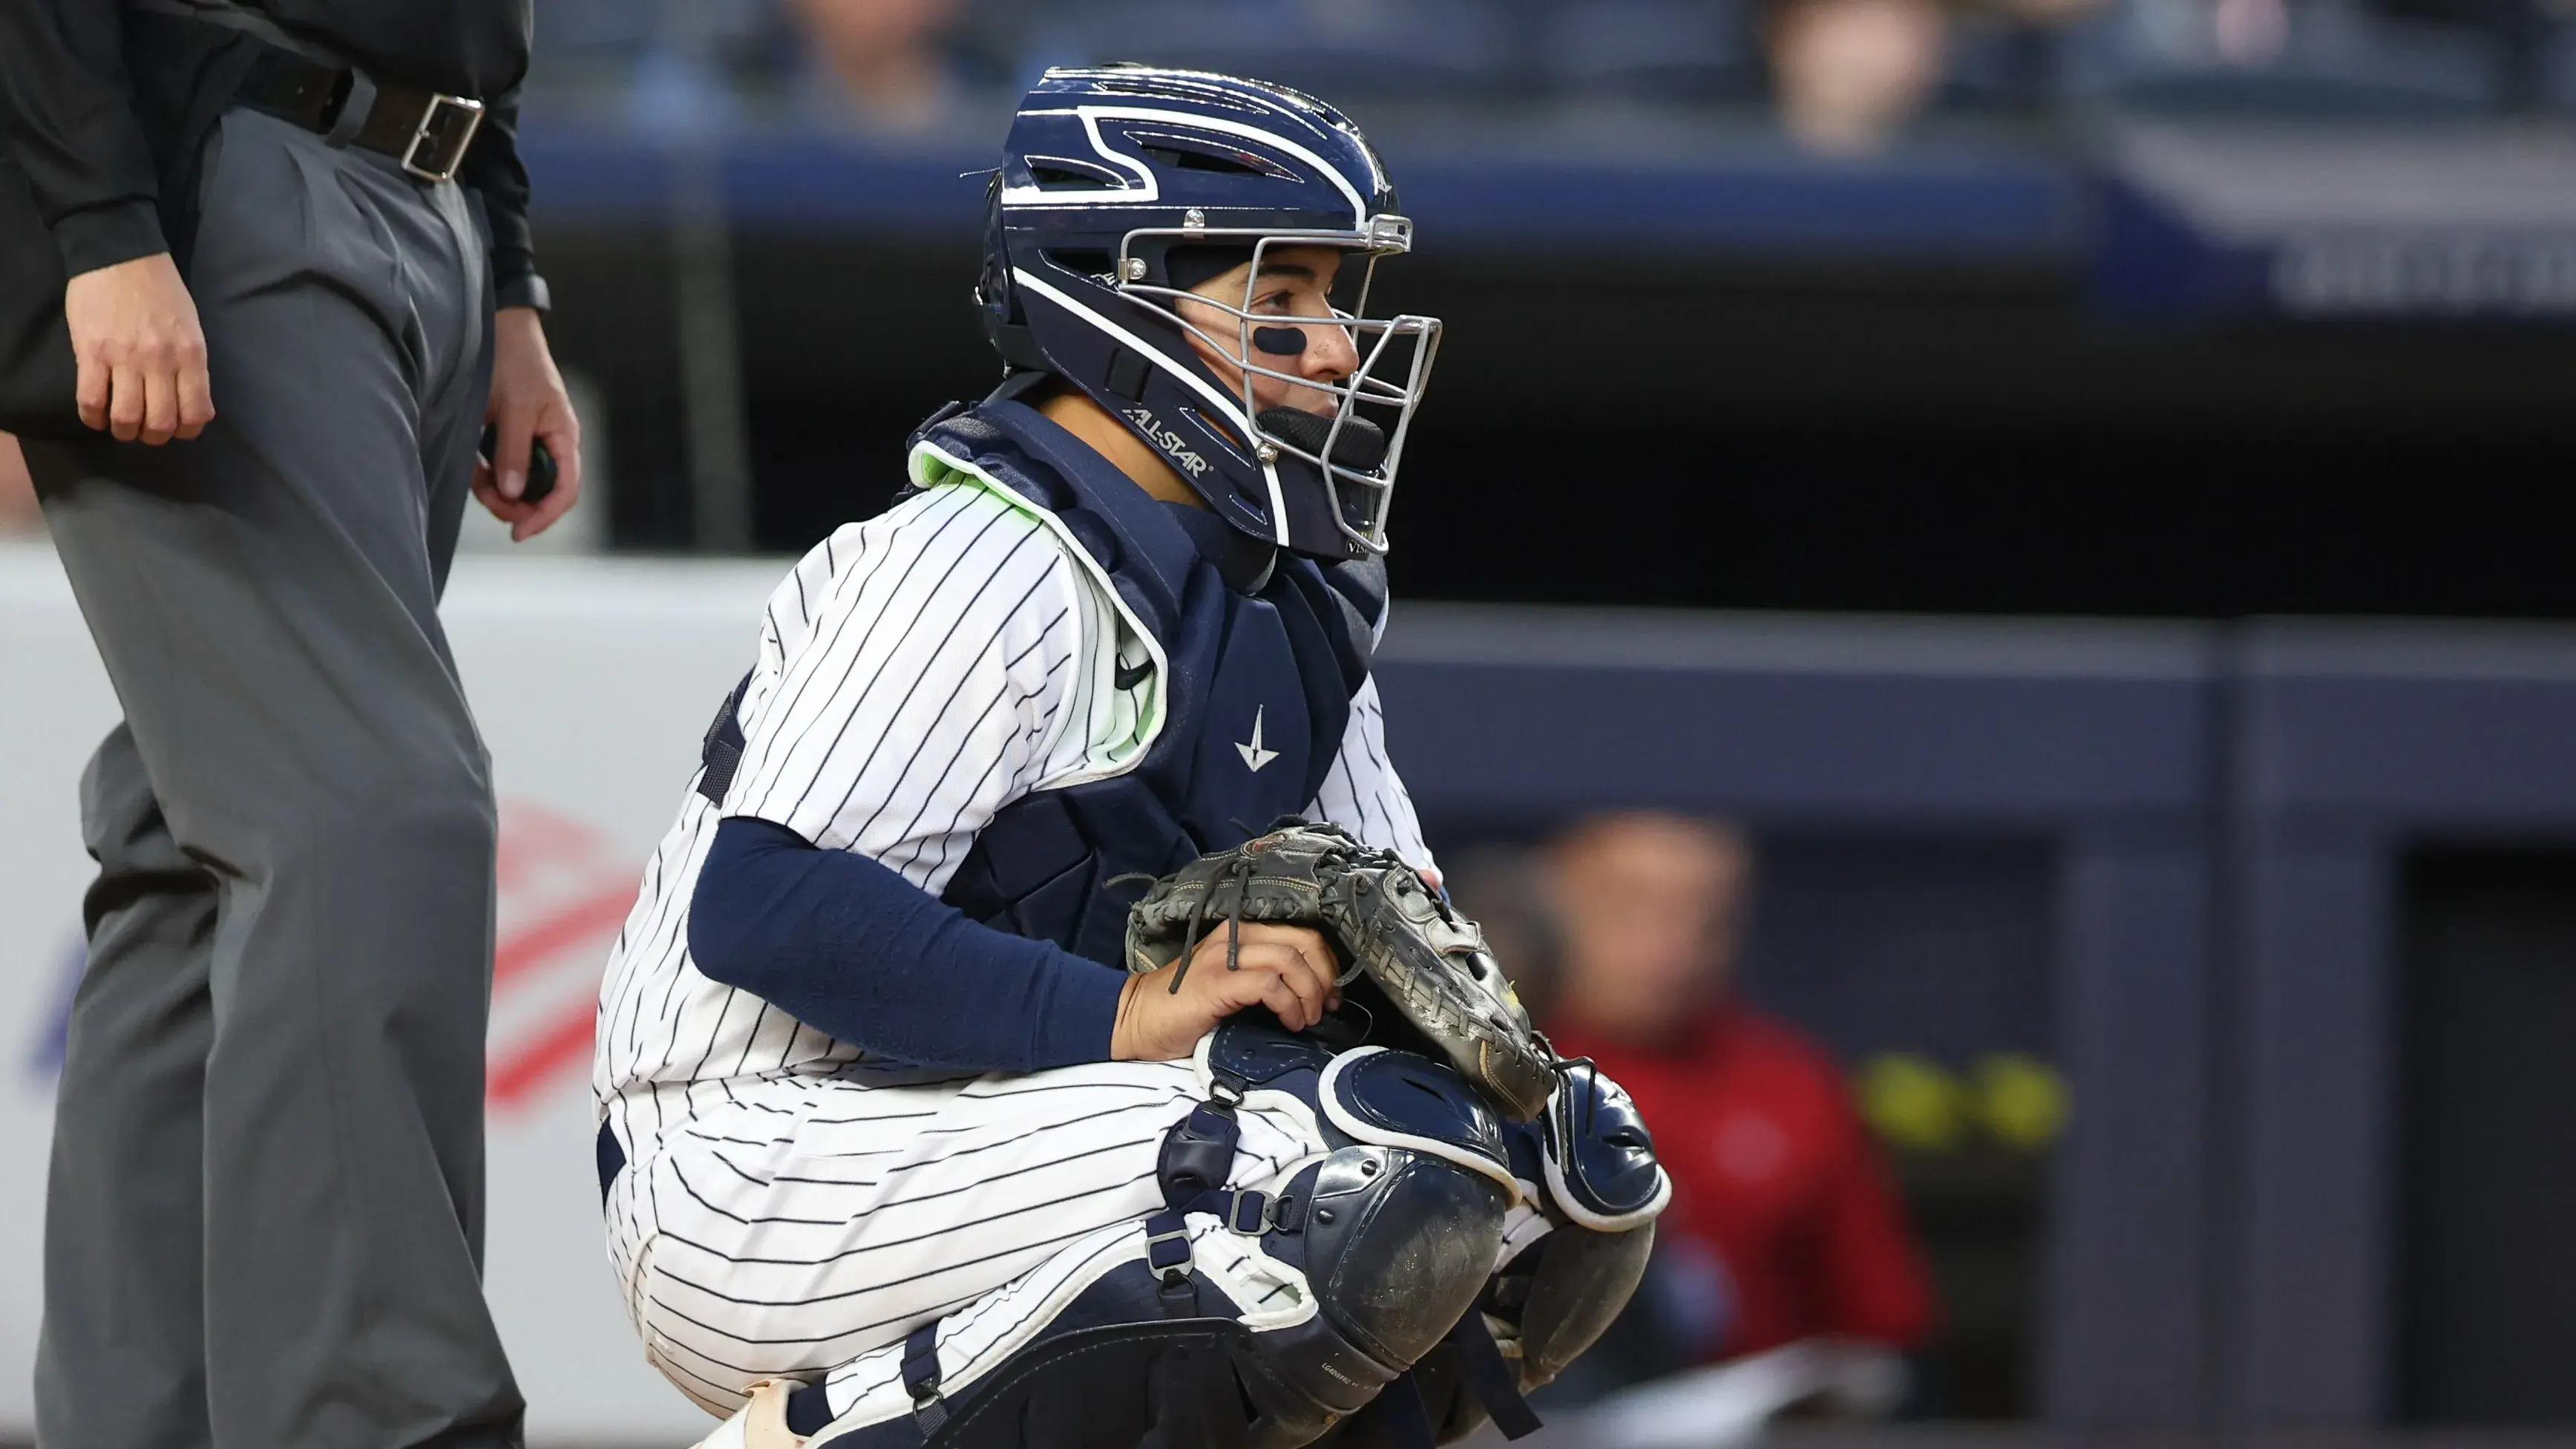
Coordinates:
(2021, 1100)
(1913, 1101)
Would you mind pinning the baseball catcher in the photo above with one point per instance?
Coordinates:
(971, 1073)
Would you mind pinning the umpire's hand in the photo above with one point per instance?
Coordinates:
(1289, 969)
(528, 401)
(141, 354)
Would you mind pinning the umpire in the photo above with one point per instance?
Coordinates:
(264, 1225)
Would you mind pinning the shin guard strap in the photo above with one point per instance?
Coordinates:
(921, 1377)
(1491, 1379)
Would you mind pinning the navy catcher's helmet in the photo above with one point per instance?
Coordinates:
(1116, 178)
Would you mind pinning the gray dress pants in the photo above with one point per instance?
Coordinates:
(264, 1222)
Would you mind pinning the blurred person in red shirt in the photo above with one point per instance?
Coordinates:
(1784, 1225)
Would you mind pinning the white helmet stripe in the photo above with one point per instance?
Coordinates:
(1150, 190)
(1092, 116)
(1223, 406)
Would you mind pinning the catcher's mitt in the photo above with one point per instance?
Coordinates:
(1428, 961)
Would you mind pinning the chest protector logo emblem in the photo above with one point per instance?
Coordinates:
(1254, 756)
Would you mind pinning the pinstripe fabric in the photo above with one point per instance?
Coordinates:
(788, 1205)
(806, 1224)
(1362, 792)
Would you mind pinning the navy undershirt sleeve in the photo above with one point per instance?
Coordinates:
(854, 950)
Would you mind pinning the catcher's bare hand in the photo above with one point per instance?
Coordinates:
(1288, 969)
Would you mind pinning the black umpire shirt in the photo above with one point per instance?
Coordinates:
(106, 108)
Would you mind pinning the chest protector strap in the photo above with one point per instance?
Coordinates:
(720, 752)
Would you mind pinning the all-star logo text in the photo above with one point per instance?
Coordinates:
(1169, 441)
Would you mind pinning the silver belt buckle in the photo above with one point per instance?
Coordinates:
(447, 153)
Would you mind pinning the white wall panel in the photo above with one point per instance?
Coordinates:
(593, 680)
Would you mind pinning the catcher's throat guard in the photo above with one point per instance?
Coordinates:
(1428, 965)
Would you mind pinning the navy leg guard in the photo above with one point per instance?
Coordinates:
(1605, 1190)
(1563, 1301)
(1372, 1256)
(1592, 1165)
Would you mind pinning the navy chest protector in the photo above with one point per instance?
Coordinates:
(1255, 694)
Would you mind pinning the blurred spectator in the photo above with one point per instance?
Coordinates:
(2249, 32)
(17, 495)
(1783, 1225)
(1849, 74)
(885, 57)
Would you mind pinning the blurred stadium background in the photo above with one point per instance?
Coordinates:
(2079, 480)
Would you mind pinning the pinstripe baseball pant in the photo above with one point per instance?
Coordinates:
(810, 1220)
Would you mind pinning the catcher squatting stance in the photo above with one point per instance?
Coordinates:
(974, 1069)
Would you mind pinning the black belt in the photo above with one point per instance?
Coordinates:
(423, 129)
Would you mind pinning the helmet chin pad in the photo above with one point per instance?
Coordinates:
(1360, 447)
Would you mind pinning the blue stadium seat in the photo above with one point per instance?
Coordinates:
(626, 57)
(2558, 69)
(1445, 49)
(1691, 51)
(2336, 61)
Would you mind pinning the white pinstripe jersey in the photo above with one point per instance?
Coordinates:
(917, 672)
